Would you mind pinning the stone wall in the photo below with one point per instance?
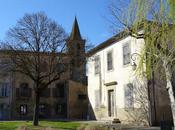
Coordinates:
(77, 100)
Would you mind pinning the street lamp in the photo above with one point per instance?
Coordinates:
(134, 58)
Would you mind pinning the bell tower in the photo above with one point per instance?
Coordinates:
(76, 51)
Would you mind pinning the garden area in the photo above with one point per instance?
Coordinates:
(44, 125)
(50, 125)
(67, 125)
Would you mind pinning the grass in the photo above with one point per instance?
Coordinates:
(12, 125)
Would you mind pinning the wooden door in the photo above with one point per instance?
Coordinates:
(111, 103)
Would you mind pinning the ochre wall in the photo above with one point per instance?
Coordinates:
(77, 108)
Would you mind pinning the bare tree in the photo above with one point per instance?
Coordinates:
(35, 47)
(139, 114)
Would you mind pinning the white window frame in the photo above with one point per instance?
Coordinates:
(107, 59)
(128, 55)
(23, 109)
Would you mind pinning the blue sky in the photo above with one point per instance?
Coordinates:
(90, 14)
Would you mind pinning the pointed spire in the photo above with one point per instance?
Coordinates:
(75, 34)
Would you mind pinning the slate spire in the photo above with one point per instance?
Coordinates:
(75, 34)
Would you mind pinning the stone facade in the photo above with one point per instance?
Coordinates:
(63, 99)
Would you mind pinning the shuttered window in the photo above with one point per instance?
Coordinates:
(109, 61)
(126, 54)
(97, 65)
(129, 100)
(97, 98)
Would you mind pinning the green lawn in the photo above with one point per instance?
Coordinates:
(12, 125)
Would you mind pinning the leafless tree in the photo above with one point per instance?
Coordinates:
(35, 48)
(139, 114)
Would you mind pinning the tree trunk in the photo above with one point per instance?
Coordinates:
(169, 87)
(36, 110)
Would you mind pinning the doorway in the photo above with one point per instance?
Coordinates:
(111, 103)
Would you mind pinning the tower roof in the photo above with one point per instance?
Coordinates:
(75, 34)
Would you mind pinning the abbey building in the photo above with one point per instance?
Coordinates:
(63, 99)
